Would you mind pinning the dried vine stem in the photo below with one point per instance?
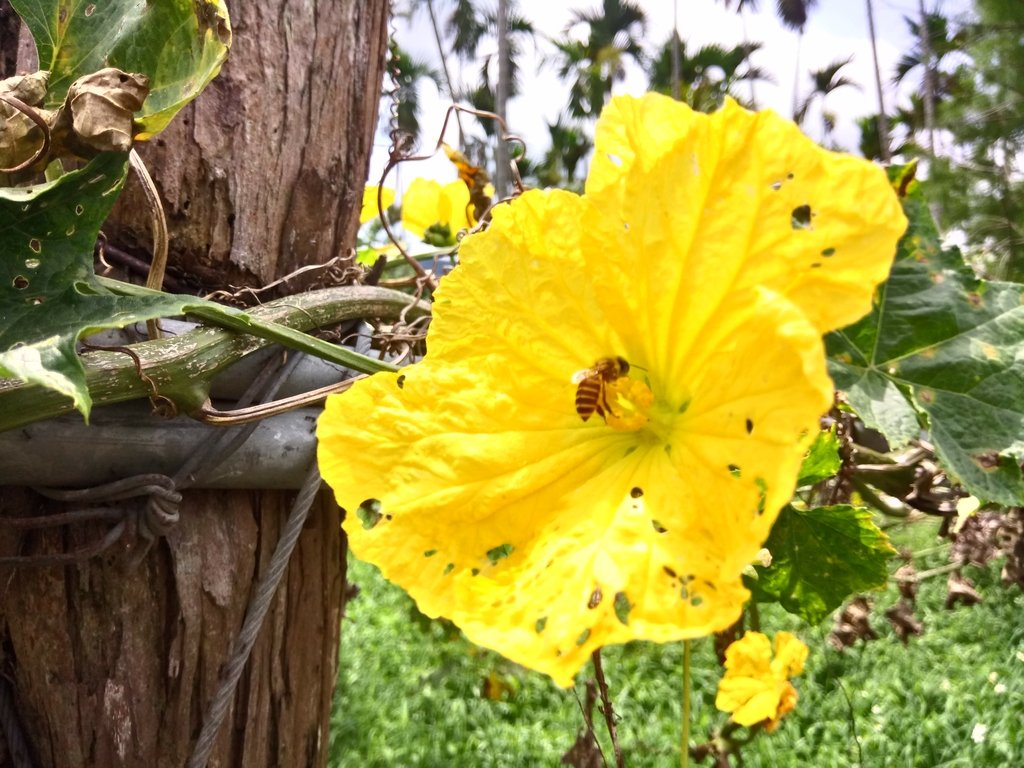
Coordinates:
(161, 405)
(606, 709)
(398, 155)
(337, 269)
(155, 279)
(210, 415)
(36, 118)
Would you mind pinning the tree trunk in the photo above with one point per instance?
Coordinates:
(113, 663)
(927, 61)
(264, 172)
(502, 172)
(883, 118)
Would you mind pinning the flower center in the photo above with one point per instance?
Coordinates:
(630, 402)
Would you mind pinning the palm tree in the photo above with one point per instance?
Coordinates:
(502, 94)
(934, 42)
(449, 84)
(435, 26)
(870, 138)
(793, 15)
(709, 75)
(825, 81)
(408, 74)
(882, 120)
(593, 64)
(468, 28)
(570, 145)
(741, 9)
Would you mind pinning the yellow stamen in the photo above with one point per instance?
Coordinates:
(630, 402)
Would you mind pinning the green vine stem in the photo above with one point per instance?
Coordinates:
(684, 752)
(181, 368)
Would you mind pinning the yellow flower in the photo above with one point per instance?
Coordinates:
(709, 252)
(435, 213)
(369, 209)
(755, 686)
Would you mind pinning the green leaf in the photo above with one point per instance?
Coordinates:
(822, 460)
(50, 297)
(820, 557)
(179, 44)
(944, 349)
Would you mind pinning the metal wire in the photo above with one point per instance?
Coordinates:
(258, 606)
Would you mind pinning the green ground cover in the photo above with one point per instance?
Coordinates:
(411, 691)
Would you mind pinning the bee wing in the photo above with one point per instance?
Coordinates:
(579, 376)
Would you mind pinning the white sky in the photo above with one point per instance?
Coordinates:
(835, 29)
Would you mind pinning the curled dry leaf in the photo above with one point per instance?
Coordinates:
(727, 637)
(30, 88)
(906, 580)
(20, 137)
(102, 106)
(852, 625)
(961, 590)
(978, 540)
(991, 534)
(903, 621)
(97, 116)
(585, 751)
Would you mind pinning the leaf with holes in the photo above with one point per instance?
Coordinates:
(820, 557)
(180, 46)
(49, 294)
(942, 349)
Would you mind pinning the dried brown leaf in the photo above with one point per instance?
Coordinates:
(585, 753)
(20, 137)
(961, 590)
(102, 107)
(977, 541)
(903, 621)
(852, 625)
(906, 581)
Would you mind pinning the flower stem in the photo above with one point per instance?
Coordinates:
(684, 752)
(755, 616)
(606, 709)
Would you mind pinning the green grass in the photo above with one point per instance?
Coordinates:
(410, 690)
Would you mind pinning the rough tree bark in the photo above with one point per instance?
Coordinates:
(113, 664)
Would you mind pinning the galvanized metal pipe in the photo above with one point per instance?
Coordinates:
(126, 439)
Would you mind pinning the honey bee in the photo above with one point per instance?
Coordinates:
(591, 395)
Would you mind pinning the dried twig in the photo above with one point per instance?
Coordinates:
(606, 709)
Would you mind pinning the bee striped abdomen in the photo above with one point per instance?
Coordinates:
(591, 396)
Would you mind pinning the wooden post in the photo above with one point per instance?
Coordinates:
(112, 664)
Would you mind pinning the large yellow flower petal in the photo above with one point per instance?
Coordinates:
(544, 536)
(597, 536)
(752, 201)
(526, 294)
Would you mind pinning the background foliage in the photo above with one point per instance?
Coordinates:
(908, 706)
